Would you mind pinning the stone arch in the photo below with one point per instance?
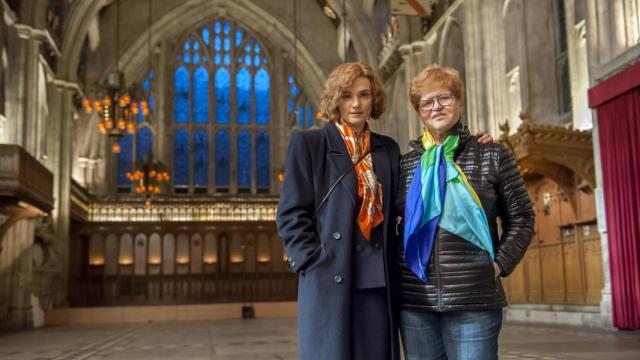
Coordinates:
(245, 13)
(400, 121)
(74, 33)
(365, 40)
(451, 52)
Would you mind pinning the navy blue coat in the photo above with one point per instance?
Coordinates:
(321, 251)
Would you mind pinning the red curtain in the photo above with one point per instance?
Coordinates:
(619, 132)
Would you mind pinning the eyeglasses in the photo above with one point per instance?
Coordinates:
(443, 100)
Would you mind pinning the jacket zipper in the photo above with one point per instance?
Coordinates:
(437, 264)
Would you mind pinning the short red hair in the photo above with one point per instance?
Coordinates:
(434, 76)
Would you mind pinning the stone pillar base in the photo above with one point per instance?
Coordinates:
(577, 315)
(18, 318)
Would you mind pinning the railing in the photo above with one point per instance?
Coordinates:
(229, 209)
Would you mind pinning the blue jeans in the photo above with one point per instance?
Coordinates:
(455, 335)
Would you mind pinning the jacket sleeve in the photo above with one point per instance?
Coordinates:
(516, 214)
(296, 207)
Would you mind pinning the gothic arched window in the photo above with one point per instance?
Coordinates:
(301, 111)
(222, 106)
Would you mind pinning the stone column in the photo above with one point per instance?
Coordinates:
(30, 95)
(83, 163)
(606, 307)
(16, 274)
(576, 30)
(13, 130)
(162, 115)
(91, 178)
(410, 71)
(62, 185)
(279, 129)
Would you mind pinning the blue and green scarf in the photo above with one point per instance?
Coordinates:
(441, 196)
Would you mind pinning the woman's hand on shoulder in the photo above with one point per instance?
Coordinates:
(485, 138)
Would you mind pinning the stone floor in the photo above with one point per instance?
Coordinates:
(275, 339)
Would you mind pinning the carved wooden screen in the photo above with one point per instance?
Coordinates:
(564, 262)
(182, 264)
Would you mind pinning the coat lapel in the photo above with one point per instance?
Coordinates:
(338, 157)
(382, 168)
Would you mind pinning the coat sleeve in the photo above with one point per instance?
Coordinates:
(516, 214)
(296, 207)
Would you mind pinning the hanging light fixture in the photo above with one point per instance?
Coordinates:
(116, 105)
(148, 178)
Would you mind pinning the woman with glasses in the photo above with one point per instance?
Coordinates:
(451, 258)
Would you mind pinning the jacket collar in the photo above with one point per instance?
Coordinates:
(337, 145)
(460, 128)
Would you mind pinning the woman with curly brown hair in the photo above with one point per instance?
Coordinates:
(336, 219)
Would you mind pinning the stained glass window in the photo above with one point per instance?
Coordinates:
(301, 113)
(238, 37)
(200, 85)
(262, 159)
(223, 159)
(223, 89)
(144, 145)
(201, 159)
(262, 97)
(243, 96)
(205, 35)
(201, 95)
(125, 160)
(309, 116)
(243, 153)
(181, 158)
(146, 86)
(181, 94)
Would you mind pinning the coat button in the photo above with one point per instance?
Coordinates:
(337, 279)
(336, 235)
(359, 247)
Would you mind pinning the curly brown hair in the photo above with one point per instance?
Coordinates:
(341, 78)
(434, 76)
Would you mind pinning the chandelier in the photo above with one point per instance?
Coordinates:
(148, 178)
(117, 106)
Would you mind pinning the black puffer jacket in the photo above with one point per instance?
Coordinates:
(461, 275)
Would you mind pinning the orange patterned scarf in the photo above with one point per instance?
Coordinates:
(369, 190)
